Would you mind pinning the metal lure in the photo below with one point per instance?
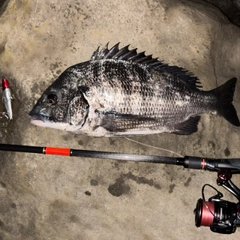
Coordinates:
(6, 97)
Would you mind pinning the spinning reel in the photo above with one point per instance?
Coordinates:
(220, 215)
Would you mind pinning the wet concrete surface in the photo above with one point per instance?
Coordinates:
(50, 197)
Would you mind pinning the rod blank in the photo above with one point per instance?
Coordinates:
(88, 154)
(187, 162)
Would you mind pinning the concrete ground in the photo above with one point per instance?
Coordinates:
(46, 197)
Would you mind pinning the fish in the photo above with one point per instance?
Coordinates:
(120, 92)
(7, 98)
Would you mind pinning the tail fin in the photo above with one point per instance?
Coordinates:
(225, 97)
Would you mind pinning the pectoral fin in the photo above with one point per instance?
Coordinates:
(115, 122)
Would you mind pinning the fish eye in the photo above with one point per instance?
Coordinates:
(52, 99)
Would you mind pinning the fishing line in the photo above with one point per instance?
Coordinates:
(150, 146)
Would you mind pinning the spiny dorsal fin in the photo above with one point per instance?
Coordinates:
(125, 54)
(140, 58)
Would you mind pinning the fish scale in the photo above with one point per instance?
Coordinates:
(120, 92)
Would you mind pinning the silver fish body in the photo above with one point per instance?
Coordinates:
(121, 92)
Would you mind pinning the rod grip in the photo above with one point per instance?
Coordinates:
(194, 162)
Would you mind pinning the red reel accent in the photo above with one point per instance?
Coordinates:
(207, 213)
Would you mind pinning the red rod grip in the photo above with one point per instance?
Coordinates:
(58, 151)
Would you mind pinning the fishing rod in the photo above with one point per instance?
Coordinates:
(186, 162)
(220, 215)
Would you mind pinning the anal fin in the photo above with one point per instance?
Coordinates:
(188, 127)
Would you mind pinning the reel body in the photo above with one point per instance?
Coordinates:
(220, 215)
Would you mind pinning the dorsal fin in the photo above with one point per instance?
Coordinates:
(125, 54)
(140, 58)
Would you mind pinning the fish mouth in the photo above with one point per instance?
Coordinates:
(41, 120)
(39, 117)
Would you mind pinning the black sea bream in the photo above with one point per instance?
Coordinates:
(120, 92)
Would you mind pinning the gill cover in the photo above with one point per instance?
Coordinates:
(78, 111)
